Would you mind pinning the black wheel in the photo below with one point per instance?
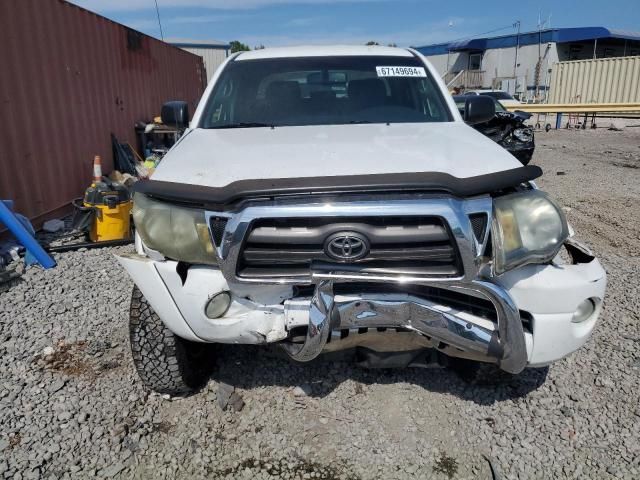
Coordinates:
(547, 127)
(165, 362)
(478, 373)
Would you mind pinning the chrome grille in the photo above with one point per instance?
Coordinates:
(292, 247)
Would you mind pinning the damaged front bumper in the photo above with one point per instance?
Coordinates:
(327, 313)
(533, 324)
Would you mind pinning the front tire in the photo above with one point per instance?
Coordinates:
(165, 362)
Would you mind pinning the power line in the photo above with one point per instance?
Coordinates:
(159, 22)
(513, 25)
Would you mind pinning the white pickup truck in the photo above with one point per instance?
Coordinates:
(333, 199)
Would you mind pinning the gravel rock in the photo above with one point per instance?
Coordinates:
(302, 391)
(224, 395)
(56, 385)
(112, 470)
(69, 416)
(236, 402)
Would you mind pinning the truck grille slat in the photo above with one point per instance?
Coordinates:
(380, 235)
(291, 256)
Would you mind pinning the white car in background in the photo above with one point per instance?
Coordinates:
(503, 97)
(331, 199)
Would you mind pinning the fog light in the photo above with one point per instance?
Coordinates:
(218, 305)
(584, 311)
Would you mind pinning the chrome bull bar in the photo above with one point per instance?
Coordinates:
(505, 345)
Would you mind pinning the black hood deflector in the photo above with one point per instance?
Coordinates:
(222, 197)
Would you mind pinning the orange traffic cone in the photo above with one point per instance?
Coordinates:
(97, 169)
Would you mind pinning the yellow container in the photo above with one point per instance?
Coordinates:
(111, 223)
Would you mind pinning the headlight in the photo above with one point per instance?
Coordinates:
(528, 227)
(178, 233)
(523, 134)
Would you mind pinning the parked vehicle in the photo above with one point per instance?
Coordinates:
(507, 129)
(333, 199)
(503, 97)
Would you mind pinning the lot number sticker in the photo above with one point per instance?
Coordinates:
(401, 72)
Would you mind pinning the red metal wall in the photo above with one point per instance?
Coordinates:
(68, 79)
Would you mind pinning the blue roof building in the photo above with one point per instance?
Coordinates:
(521, 63)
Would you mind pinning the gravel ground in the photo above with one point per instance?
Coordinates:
(72, 405)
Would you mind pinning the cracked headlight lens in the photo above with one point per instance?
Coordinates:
(523, 134)
(178, 233)
(528, 227)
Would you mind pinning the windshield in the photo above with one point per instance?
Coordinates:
(498, 95)
(324, 91)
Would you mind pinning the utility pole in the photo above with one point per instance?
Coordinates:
(539, 37)
(538, 65)
(515, 62)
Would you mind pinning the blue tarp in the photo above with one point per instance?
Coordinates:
(21, 228)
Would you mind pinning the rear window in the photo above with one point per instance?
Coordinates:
(324, 91)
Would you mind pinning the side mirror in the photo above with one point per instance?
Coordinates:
(175, 114)
(479, 109)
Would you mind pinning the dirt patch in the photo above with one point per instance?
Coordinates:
(446, 464)
(163, 427)
(67, 358)
(76, 359)
(287, 469)
(15, 440)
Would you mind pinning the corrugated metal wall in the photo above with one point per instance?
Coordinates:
(213, 58)
(605, 80)
(69, 79)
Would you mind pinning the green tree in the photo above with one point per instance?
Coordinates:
(237, 46)
(372, 43)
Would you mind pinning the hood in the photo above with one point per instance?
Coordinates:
(216, 158)
(509, 102)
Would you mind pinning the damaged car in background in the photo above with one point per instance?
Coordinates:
(506, 128)
(334, 199)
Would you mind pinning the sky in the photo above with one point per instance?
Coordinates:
(403, 22)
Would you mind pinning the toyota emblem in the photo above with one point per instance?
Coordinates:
(346, 246)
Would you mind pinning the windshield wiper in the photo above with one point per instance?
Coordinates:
(243, 125)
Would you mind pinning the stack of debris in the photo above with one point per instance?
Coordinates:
(155, 140)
